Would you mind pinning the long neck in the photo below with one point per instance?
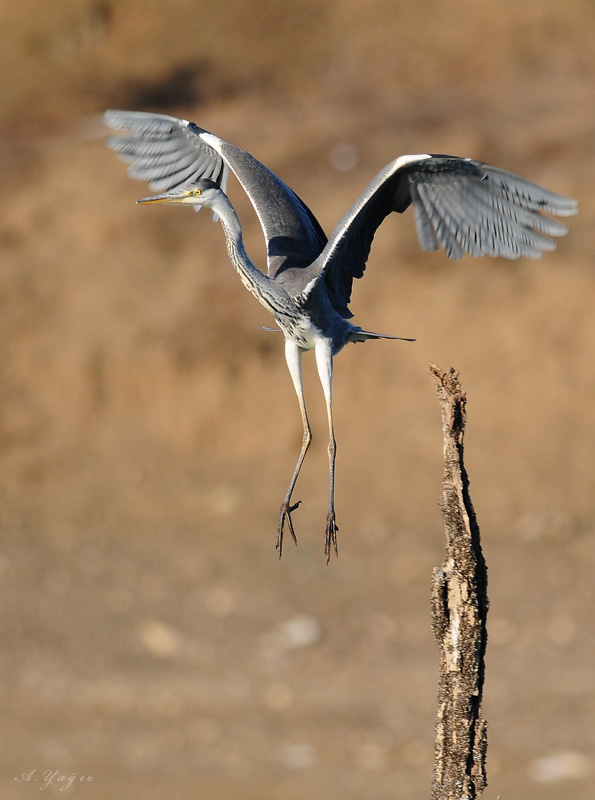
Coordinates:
(252, 278)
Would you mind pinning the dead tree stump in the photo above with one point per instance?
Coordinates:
(459, 612)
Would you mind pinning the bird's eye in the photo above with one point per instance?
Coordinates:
(197, 192)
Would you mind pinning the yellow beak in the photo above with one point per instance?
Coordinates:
(167, 197)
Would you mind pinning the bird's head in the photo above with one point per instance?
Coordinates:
(197, 194)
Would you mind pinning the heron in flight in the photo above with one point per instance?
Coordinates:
(465, 206)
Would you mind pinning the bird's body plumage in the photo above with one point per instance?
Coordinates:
(465, 206)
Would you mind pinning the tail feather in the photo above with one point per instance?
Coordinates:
(359, 335)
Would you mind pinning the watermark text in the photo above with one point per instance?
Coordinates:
(53, 778)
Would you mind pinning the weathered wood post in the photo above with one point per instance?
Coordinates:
(459, 612)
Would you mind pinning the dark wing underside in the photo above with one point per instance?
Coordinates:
(169, 153)
(464, 206)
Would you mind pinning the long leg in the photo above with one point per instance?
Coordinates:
(324, 362)
(293, 356)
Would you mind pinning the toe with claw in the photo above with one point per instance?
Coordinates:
(285, 516)
(330, 539)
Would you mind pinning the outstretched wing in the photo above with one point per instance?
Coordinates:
(462, 205)
(169, 152)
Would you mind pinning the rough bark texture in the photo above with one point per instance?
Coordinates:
(459, 612)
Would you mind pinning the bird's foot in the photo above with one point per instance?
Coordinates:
(285, 516)
(330, 539)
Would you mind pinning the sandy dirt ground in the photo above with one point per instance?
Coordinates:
(151, 639)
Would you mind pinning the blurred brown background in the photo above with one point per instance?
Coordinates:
(151, 639)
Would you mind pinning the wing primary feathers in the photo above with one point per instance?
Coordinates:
(425, 232)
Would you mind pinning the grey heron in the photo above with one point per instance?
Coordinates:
(465, 206)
